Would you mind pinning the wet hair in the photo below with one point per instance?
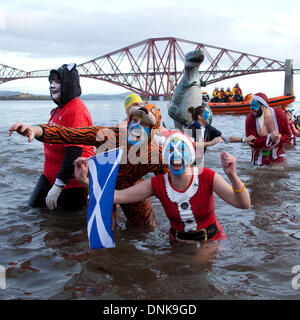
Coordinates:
(196, 112)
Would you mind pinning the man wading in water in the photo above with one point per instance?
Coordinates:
(267, 131)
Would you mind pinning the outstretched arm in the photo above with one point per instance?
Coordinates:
(236, 194)
(132, 194)
(55, 133)
(135, 193)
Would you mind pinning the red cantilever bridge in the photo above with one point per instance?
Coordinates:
(153, 67)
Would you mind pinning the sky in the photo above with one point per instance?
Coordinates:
(37, 35)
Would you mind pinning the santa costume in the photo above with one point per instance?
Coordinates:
(264, 150)
(191, 212)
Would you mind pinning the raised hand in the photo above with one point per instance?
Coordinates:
(228, 163)
(275, 136)
(250, 140)
(22, 129)
(81, 171)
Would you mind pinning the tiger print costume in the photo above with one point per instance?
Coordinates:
(148, 159)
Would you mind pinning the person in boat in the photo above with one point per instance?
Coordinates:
(215, 95)
(221, 95)
(142, 154)
(267, 130)
(228, 94)
(57, 186)
(237, 93)
(205, 96)
(294, 131)
(186, 192)
(201, 130)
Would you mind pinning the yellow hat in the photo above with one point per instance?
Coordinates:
(132, 98)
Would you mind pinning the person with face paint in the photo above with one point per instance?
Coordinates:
(141, 155)
(267, 130)
(201, 130)
(186, 192)
(57, 186)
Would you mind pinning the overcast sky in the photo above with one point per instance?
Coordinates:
(38, 34)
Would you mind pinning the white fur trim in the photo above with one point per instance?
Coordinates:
(182, 199)
(275, 119)
(268, 144)
(274, 153)
(260, 99)
(259, 160)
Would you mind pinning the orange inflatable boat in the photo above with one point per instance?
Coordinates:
(243, 107)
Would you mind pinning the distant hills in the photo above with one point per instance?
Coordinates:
(17, 95)
(9, 93)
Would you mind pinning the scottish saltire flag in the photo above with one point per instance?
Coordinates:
(103, 170)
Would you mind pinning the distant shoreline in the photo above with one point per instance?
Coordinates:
(28, 96)
(24, 97)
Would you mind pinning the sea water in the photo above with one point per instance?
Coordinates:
(46, 255)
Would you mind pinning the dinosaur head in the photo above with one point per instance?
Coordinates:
(194, 58)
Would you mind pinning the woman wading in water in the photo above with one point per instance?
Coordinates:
(186, 192)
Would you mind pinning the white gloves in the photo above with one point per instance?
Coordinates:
(52, 196)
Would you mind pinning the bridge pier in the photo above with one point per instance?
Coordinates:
(288, 79)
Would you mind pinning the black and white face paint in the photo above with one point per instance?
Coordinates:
(55, 90)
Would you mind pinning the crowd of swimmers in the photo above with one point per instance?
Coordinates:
(185, 190)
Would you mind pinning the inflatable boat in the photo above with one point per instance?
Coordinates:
(243, 107)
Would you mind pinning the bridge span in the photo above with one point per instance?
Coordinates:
(153, 67)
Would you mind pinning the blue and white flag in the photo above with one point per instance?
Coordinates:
(103, 170)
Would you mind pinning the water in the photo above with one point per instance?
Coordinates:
(46, 256)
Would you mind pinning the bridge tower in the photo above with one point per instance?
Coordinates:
(288, 79)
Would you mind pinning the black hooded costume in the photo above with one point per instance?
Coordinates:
(70, 86)
(58, 166)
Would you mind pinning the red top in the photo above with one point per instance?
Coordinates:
(73, 114)
(199, 195)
